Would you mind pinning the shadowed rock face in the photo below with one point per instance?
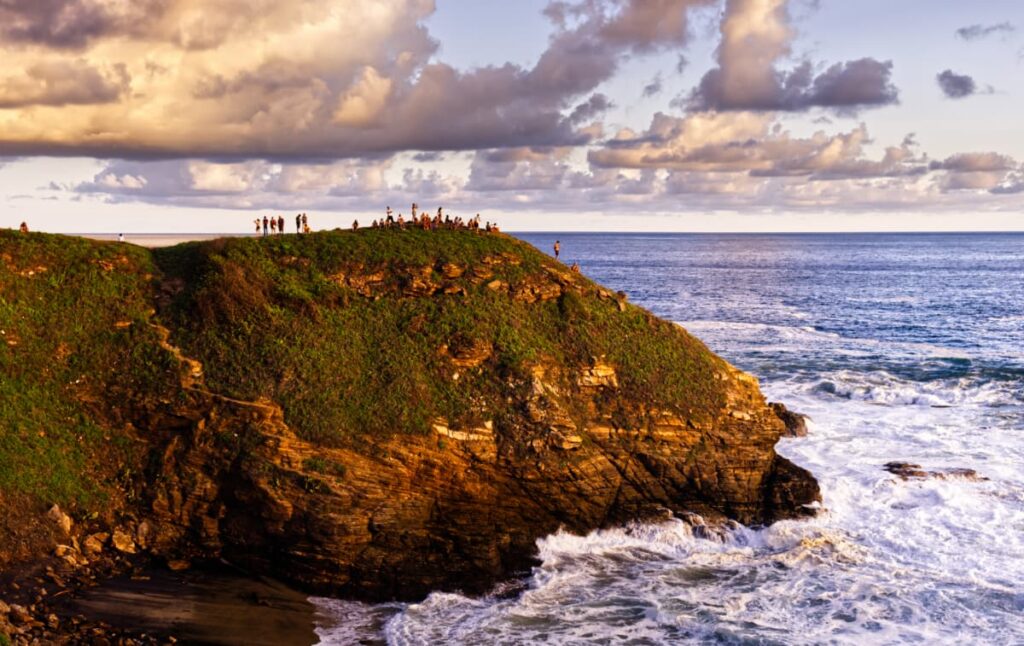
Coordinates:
(458, 502)
(460, 508)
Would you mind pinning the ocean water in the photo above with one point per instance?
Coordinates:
(899, 347)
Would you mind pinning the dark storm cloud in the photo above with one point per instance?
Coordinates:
(956, 86)
(977, 32)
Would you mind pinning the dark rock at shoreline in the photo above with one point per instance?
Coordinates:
(907, 471)
(796, 423)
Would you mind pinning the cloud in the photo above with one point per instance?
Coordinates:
(756, 35)
(755, 144)
(980, 171)
(61, 83)
(303, 80)
(653, 88)
(956, 86)
(74, 23)
(592, 108)
(977, 32)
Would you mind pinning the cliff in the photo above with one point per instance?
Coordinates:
(377, 414)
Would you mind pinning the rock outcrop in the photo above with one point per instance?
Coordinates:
(796, 424)
(462, 507)
(380, 427)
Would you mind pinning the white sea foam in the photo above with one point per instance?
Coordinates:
(929, 561)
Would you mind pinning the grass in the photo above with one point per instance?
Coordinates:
(75, 354)
(81, 366)
(268, 320)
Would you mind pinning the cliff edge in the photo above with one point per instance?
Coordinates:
(376, 414)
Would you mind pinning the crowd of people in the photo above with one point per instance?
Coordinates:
(275, 224)
(426, 222)
(417, 220)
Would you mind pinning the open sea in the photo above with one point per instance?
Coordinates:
(900, 348)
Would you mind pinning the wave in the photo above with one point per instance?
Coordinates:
(884, 388)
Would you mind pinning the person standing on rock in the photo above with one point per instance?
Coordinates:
(558, 248)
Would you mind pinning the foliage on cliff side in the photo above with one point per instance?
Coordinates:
(359, 333)
(354, 334)
(75, 347)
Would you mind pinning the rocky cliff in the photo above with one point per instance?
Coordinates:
(377, 414)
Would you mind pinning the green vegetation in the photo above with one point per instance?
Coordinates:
(276, 318)
(75, 353)
(336, 327)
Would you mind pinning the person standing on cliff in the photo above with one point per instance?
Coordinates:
(266, 224)
(298, 223)
(280, 224)
(305, 223)
(558, 248)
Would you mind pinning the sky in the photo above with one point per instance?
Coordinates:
(602, 115)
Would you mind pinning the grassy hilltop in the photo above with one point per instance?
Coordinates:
(353, 333)
(378, 413)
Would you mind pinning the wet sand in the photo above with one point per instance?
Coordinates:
(221, 607)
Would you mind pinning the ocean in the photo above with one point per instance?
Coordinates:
(900, 347)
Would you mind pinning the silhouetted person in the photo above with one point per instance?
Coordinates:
(355, 225)
(558, 248)
(273, 224)
(298, 223)
(266, 224)
(305, 223)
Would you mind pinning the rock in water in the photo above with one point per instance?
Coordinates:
(908, 471)
(384, 414)
(796, 424)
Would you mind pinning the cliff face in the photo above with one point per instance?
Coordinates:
(386, 413)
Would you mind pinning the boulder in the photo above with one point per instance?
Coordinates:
(60, 519)
(796, 424)
(123, 542)
(908, 471)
